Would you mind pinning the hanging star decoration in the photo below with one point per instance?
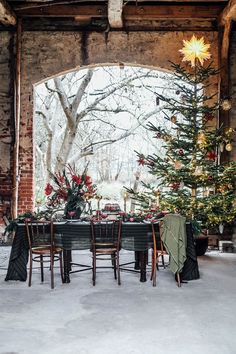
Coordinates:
(195, 49)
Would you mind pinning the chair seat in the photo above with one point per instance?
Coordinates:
(106, 250)
(45, 250)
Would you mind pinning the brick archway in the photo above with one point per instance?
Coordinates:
(46, 54)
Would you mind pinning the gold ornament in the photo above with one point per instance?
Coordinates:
(201, 139)
(222, 145)
(173, 119)
(198, 171)
(178, 165)
(226, 105)
(195, 49)
(228, 147)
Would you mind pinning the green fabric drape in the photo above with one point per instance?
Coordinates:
(173, 234)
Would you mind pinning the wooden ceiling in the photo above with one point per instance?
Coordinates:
(116, 14)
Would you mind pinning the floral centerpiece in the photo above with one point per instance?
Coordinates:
(70, 190)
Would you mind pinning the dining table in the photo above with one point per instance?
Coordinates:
(75, 235)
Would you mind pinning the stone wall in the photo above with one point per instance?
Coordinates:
(47, 54)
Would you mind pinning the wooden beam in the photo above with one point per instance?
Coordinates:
(130, 12)
(229, 12)
(17, 105)
(115, 8)
(7, 16)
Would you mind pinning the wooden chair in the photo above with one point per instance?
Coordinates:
(159, 251)
(42, 248)
(106, 236)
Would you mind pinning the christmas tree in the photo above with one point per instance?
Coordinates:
(191, 178)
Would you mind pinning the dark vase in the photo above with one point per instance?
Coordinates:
(74, 214)
(201, 245)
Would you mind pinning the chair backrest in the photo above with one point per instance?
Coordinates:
(106, 232)
(136, 236)
(39, 233)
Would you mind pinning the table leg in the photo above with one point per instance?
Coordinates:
(143, 263)
(137, 260)
(67, 259)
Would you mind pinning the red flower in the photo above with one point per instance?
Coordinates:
(76, 179)
(48, 189)
(131, 219)
(88, 181)
(141, 161)
(211, 155)
(175, 186)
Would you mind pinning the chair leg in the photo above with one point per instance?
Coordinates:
(41, 266)
(61, 267)
(94, 269)
(163, 261)
(52, 270)
(30, 270)
(178, 280)
(118, 268)
(114, 265)
(154, 269)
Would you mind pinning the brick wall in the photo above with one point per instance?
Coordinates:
(6, 115)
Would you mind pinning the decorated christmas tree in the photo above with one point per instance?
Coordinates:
(191, 177)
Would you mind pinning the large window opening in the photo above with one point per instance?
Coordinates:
(97, 117)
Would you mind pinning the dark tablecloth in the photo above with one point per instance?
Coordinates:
(76, 236)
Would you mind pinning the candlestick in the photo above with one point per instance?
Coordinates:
(125, 195)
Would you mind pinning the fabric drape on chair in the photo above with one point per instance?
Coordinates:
(173, 234)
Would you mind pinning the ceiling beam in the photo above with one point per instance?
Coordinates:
(130, 12)
(229, 12)
(115, 8)
(7, 16)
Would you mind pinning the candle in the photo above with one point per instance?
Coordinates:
(157, 194)
(125, 201)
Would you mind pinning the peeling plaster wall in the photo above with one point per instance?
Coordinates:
(47, 54)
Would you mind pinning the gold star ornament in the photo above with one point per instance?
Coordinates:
(195, 49)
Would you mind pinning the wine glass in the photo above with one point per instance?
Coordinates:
(71, 213)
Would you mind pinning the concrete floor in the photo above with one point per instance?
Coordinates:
(135, 318)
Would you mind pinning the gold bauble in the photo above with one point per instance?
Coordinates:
(226, 105)
(228, 147)
(178, 165)
(173, 119)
